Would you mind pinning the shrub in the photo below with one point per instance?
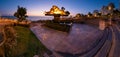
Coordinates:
(58, 26)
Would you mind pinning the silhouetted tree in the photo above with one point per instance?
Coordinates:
(104, 9)
(99, 14)
(111, 6)
(89, 14)
(95, 11)
(78, 15)
(67, 13)
(62, 8)
(21, 13)
(116, 12)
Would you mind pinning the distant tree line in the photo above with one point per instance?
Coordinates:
(105, 11)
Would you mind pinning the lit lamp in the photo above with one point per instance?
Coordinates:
(109, 8)
(95, 15)
(88, 15)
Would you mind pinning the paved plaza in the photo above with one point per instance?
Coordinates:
(80, 38)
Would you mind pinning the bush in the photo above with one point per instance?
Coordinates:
(27, 43)
(57, 26)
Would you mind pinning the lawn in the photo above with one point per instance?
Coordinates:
(27, 44)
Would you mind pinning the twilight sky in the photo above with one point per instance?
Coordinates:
(38, 7)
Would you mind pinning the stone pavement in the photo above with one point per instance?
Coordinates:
(80, 38)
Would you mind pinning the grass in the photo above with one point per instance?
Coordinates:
(27, 44)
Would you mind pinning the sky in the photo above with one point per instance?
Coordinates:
(38, 7)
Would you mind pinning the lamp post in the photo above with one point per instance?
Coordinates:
(110, 20)
(110, 16)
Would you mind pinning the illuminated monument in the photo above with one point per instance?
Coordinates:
(56, 12)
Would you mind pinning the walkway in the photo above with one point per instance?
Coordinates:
(79, 40)
(82, 41)
(108, 46)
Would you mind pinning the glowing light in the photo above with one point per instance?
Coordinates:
(88, 15)
(56, 10)
(109, 8)
(95, 15)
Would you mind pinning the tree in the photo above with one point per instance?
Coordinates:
(21, 13)
(95, 13)
(78, 15)
(99, 14)
(89, 14)
(67, 13)
(116, 12)
(104, 10)
(111, 6)
(62, 8)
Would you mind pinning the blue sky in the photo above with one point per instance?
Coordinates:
(38, 7)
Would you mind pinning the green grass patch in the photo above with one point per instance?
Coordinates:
(27, 44)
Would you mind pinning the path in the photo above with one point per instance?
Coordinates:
(80, 38)
(109, 46)
(82, 41)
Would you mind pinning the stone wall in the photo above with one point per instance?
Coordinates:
(5, 21)
(99, 23)
(93, 22)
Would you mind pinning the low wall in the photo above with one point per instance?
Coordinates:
(4, 21)
(99, 23)
(93, 22)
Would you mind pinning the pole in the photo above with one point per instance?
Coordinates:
(119, 5)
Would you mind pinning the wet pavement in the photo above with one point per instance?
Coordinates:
(80, 38)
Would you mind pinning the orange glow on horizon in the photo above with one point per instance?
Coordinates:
(35, 14)
(58, 12)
